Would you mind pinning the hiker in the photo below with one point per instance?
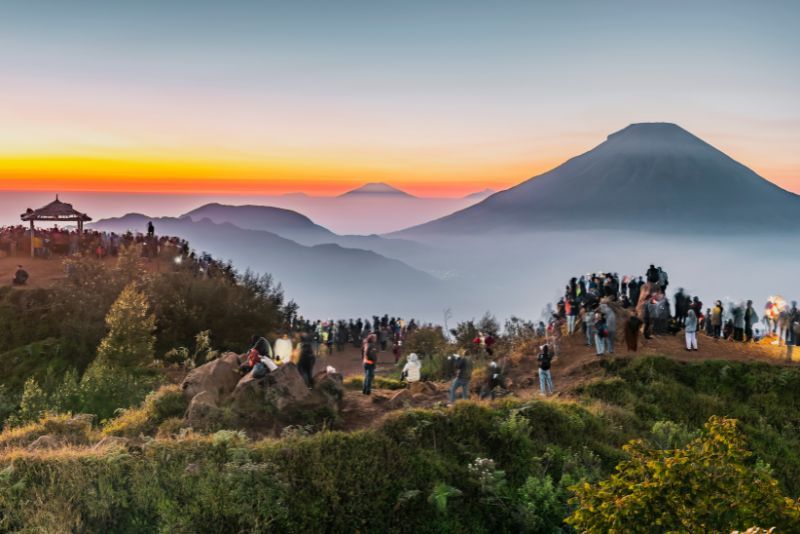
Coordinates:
(412, 369)
(588, 327)
(652, 274)
(369, 357)
(545, 378)
(690, 330)
(600, 333)
(485, 341)
(250, 362)
(306, 361)
(463, 372)
(262, 346)
(20, 277)
(611, 326)
(738, 323)
(632, 326)
(151, 230)
(493, 381)
(709, 328)
(397, 349)
(716, 319)
(572, 314)
(283, 349)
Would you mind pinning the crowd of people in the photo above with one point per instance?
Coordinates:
(589, 301)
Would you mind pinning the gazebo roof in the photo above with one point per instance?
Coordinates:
(55, 211)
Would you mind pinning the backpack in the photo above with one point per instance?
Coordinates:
(259, 370)
(372, 353)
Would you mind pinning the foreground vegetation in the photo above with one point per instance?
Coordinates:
(539, 466)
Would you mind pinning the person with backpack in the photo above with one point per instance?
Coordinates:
(463, 372)
(306, 361)
(369, 357)
(690, 330)
(545, 378)
(600, 333)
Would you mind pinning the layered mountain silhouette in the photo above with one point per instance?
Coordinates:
(301, 229)
(327, 280)
(650, 176)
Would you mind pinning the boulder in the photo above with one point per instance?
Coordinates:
(400, 399)
(218, 378)
(45, 442)
(202, 408)
(424, 388)
(285, 387)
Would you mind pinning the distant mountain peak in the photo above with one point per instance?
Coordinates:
(481, 194)
(376, 188)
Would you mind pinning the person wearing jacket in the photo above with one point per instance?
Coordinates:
(493, 381)
(463, 373)
(412, 369)
(545, 378)
(306, 361)
(588, 325)
(283, 349)
(690, 330)
(600, 333)
(611, 326)
(632, 326)
(369, 357)
(716, 319)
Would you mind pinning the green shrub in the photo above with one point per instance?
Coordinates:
(165, 403)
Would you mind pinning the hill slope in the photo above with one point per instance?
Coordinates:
(299, 228)
(327, 280)
(654, 176)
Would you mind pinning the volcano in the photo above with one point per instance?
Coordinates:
(649, 176)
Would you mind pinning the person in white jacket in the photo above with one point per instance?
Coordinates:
(690, 330)
(411, 370)
(283, 349)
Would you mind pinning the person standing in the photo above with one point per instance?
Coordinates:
(588, 325)
(716, 319)
(306, 361)
(370, 360)
(690, 330)
(611, 326)
(572, 314)
(632, 326)
(151, 230)
(545, 378)
(283, 349)
(463, 373)
(600, 333)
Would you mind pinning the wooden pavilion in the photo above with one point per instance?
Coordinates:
(56, 211)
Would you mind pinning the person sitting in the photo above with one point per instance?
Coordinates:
(253, 357)
(20, 277)
(411, 370)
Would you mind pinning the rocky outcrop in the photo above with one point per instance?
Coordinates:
(202, 409)
(217, 378)
(283, 397)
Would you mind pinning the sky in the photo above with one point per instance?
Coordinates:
(439, 98)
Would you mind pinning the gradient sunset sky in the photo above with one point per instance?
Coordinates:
(436, 97)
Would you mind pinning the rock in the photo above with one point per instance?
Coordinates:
(425, 388)
(379, 398)
(203, 407)
(285, 387)
(110, 441)
(218, 378)
(400, 399)
(45, 442)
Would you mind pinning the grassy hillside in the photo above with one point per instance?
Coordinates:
(476, 467)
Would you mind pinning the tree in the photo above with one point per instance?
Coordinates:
(713, 484)
(130, 341)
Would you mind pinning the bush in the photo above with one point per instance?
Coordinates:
(712, 484)
(74, 430)
(165, 403)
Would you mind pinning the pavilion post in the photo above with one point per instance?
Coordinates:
(33, 249)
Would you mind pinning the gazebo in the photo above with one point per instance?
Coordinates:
(56, 211)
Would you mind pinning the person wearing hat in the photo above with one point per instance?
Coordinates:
(411, 370)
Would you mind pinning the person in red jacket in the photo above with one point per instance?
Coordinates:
(485, 341)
